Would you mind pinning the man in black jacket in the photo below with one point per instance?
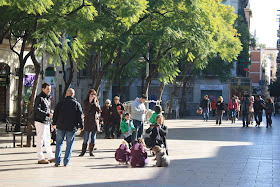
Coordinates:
(42, 116)
(117, 110)
(68, 115)
(258, 109)
(205, 104)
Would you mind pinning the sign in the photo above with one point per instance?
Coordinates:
(29, 80)
(211, 87)
(245, 64)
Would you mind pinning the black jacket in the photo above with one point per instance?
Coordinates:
(205, 103)
(162, 132)
(115, 114)
(42, 108)
(258, 105)
(220, 106)
(68, 114)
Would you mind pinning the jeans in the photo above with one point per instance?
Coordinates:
(268, 118)
(245, 117)
(138, 129)
(232, 113)
(92, 137)
(258, 117)
(219, 116)
(205, 113)
(70, 136)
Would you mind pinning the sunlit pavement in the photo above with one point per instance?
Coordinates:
(201, 153)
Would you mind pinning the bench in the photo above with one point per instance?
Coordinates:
(21, 134)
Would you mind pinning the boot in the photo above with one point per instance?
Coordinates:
(84, 149)
(91, 147)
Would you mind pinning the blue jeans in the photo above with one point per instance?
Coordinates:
(138, 129)
(70, 136)
(245, 117)
(92, 137)
(232, 113)
(205, 113)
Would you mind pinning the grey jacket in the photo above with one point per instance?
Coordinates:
(162, 159)
(138, 110)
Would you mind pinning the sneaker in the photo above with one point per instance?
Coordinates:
(43, 161)
(52, 160)
(56, 165)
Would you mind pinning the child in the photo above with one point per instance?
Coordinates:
(158, 132)
(161, 157)
(158, 111)
(139, 156)
(122, 154)
(128, 129)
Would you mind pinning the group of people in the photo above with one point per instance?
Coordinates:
(249, 107)
(68, 116)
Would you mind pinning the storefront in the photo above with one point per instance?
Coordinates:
(213, 91)
(4, 83)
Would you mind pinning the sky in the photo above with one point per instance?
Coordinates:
(264, 21)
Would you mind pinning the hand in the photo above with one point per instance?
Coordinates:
(51, 115)
(152, 126)
(82, 130)
(90, 99)
(145, 111)
(134, 130)
(126, 133)
(54, 126)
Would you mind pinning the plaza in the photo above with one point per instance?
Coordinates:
(201, 154)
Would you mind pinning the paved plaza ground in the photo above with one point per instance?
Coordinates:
(202, 154)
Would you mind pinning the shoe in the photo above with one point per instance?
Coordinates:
(256, 125)
(52, 160)
(56, 165)
(84, 149)
(43, 162)
(53, 143)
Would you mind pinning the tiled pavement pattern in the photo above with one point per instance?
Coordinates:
(202, 154)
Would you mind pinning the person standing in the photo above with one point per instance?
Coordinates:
(42, 117)
(269, 109)
(91, 108)
(220, 110)
(251, 111)
(238, 108)
(245, 103)
(232, 108)
(206, 107)
(258, 110)
(117, 110)
(106, 117)
(68, 117)
(138, 111)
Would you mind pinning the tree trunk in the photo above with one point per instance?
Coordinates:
(32, 98)
(161, 89)
(174, 93)
(147, 84)
(69, 81)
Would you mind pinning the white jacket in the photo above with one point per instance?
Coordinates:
(138, 110)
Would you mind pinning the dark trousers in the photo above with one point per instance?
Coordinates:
(268, 118)
(107, 128)
(219, 116)
(138, 129)
(258, 117)
(213, 112)
(116, 127)
(245, 118)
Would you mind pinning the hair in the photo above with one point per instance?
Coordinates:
(70, 92)
(141, 141)
(160, 116)
(156, 149)
(269, 100)
(252, 98)
(116, 97)
(206, 96)
(89, 92)
(233, 96)
(108, 100)
(44, 85)
(158, 109)
(124, 142)
(126, 114)
(143, 96)
(222, 99)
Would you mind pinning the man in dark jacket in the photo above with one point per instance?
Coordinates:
(117, 110)
(258, 109)
(205, 104)
(67, 117)
(245, 103)
(42, 116)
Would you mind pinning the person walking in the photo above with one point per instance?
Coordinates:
(42, 117)
(106, 113)
(206, 107)
(245, 103)
(238, 108)
(220, 110)
(91, 108)
(269, 109)
(232, 108)
(68, 117)
(117, 111)
(259, 105)
(213, 107)
(251, 111)
(138, 112)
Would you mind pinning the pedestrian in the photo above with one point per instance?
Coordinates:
(139, 155)
(106, 114)
(117, 110)
(68, 117)
(220, 110)
(245, 103)
(206, 107)
(232, 108)
(138, 112)
(42, 117)
(269, 109)
(158, 111)
(91, 108)
(213, 107)
(162, 159)
(251, 111)
(238, 108)
(122, 154)
(128, 129)
(259, 105)
(158, 133)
